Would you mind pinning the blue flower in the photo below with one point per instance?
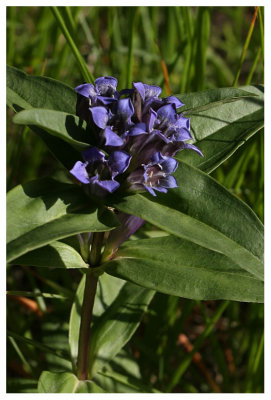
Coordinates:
(98, 173)
(129, 224)
(136, 128)
(155, 175)
(104, 91)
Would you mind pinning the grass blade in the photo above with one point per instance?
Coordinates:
(44, 348)
(202, 33)
(133, 12)
(188, 358)
(243, 55)
(87, 75)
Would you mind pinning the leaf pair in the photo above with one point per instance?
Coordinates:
(215, 243)
(201, 214)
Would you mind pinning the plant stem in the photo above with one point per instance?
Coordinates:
(87, 306)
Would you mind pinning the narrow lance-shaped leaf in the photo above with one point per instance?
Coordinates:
(222, 120)
(204, 212)
(46, 210)
(117, 325)
(55, 254)
(65, 126)
(122, 375)
(27, 91)
(181, 268)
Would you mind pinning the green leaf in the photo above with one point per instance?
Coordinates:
(65, 382)
(122, 375)
(55, 254)
(45, 210)
(204, 212)
(27, 91)
(125, 364)
(222, 120)
(211, 98)
(40, 346)
(65, 126)
(109, 333)
(181, 268)
(117, 324)
(126, 383)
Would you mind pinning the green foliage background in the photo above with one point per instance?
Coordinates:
(202, 48)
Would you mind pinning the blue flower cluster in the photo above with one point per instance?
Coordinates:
(135, 132)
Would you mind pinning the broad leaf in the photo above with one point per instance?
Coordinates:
(109, 333)
(55, 254)
(240, 116)
(204, 212)
(222, 120)
(65, 382)
(211, 98)
(67, 127)
(46, 210)
(175, 266)
(26, 91)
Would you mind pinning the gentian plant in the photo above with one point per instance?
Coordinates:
(132, 156)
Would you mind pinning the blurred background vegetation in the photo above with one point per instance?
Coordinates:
(181, 49)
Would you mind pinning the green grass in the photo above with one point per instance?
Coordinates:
(202, 47)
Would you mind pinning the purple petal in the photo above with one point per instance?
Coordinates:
(166, 115)
(106, 100)
(125, 109)
(158, 134)
(169, 165)
(129, 225)
(174, 100)
(108, 185)
(93, 154)
(106, 86)
(161, 189)
(112, 139)
(139, 86)
(86, 90)
(153, 102)
(150, 190)
(182, 135)
(168, 182)
(152, 90)
(157, 158)
(191, 146)
(183, 122)
(138, 129)
(100, 116)
(118, 161)
(150, 119)
(80, 172)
